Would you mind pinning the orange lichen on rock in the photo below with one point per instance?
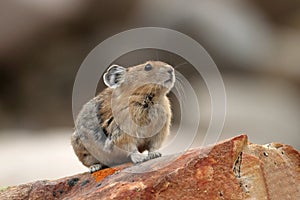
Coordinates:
(100, 175)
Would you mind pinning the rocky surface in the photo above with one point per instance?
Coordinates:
(232, 169)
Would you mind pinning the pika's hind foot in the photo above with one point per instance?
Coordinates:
(95, 168)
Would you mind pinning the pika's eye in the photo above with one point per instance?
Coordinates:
(148, 67)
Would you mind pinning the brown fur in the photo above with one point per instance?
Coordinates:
(134, 99)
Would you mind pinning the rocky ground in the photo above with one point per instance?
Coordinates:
(232, 169)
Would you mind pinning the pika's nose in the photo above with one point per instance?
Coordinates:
(171, 71)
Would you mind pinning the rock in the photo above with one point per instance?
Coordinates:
(232, 169)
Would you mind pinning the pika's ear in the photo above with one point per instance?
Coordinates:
(114, 76)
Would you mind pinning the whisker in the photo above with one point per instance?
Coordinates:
(179, 85)
(180, 64)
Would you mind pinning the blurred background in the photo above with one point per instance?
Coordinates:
(255, 44)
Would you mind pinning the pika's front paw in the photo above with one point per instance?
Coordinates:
(138, 157)
(154, 154)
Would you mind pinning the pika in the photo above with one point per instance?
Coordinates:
(132, 115)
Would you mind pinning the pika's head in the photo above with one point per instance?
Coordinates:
(151, 72)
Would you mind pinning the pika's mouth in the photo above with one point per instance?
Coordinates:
(169, 81)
